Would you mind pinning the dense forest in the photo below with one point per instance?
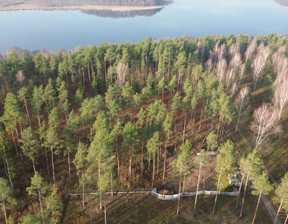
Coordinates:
(132, 116)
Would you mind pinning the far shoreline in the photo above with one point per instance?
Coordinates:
(84, 7)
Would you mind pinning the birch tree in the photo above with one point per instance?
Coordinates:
(265, 123)
(241, 102)
(280, 98)
(259, 62)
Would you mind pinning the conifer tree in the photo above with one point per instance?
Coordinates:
(30, 145)
(37, 102)
(261, 186)
(224, 167)
(39, 188)
(81, 165)
(23, 96)
(180, 164)
(6, 197)
(282, 194)
(153, 145)
(200, 161)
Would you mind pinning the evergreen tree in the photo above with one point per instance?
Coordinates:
(181, 166)
(6, 197)
(30, 145)
(282, 194)
(153, 145)
(261, 186)
(200, 161)
(81, 164)
(39, 188)
(224, 167)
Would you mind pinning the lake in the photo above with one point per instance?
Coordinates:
(67, 29)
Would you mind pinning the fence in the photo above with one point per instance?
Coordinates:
(190, 194)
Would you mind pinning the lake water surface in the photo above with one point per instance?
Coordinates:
(54, 30)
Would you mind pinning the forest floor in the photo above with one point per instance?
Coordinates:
(144, 208)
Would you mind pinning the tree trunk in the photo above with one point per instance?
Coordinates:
(286, 220)
(69, 163)
(41, 207)
(47, 163)
(33, 163)
(184, 129)
(25, 103)
(153, 172)
(118, 166)
(197, 189)
(83, 189)
(4, 210)
(257, 207)
(130, 168)
(52, 163)
(105, 214)
(239, 192)
(14, 142)
(100, 190)
(179, 193)
(39, 121)
(158, 158)
(238, 119)
(279, 209)
(243, 197)
(9, 174)
(141, 163)
(216, 197)
(111, 184)
(165, 157)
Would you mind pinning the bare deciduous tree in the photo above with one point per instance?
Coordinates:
(280, 98)
(241, 101)
(251, 49)
(122, 73)
(265, 123)
(259, 62)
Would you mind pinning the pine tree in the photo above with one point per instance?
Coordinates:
(200, 161)
(261, 186)
(6, 197)
(23, 96)
(30, 145)
(39, 188)
(153, 145)
(282, 194)
(37, 102)
(224, 167)
(81, 165)
(181, 166)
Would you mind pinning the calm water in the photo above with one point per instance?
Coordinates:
(54, 30)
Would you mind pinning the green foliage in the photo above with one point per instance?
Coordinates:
(38, 186)
(262, 185)
(180, 164)
(211, 141)
(30, 144)
(225, 164)
(153, 143)
(6, 195)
